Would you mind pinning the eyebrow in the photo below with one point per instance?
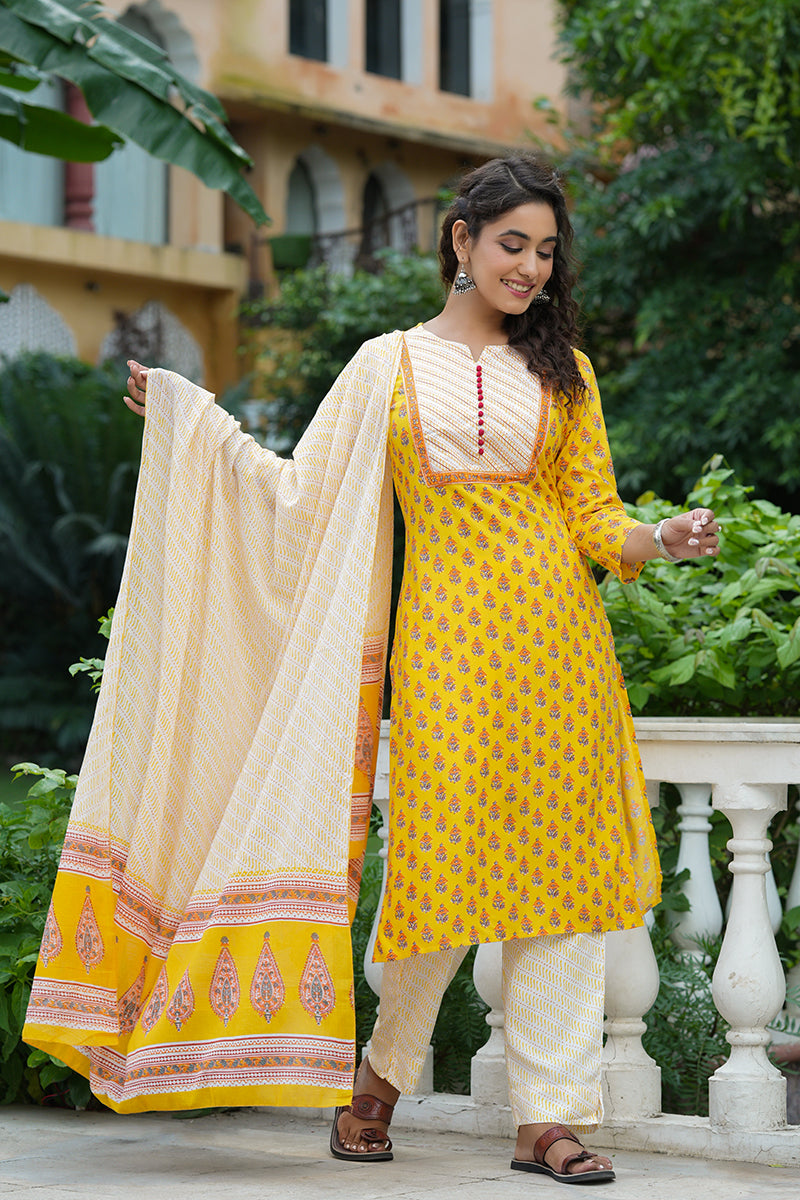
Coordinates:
(518, 233)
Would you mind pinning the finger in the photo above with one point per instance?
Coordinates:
(138, 373)
(137, 390)
(139, 409)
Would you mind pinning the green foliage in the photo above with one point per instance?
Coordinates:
(687, 206)
(332, 315)
(716, 637)
(460, 1031)
(93, 667)
(685, 1033)
(668, 67)
(68, 466)
(31, 837)
(131, 88)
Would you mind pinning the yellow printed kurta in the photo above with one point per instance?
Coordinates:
(518, 802)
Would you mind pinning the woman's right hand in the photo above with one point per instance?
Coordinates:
(137, 386)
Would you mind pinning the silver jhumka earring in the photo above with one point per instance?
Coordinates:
(463, 283)
(541, 297)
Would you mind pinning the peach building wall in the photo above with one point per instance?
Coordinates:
(282, 105)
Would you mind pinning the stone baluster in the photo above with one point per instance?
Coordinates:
(793, 974)
(488, 1076)
(747, 1091)
(704, 916)
(631, 1079)
(373, 972)
(774, 906)
(793, 894)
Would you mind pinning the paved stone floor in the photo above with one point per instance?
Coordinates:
(267, 1154)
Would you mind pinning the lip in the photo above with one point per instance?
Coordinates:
(516, 289)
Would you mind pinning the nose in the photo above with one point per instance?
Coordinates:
(528, 266)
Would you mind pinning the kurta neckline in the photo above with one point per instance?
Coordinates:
(463, 345)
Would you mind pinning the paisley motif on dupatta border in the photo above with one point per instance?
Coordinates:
(224, 993)
(130, 1002)
(267, 991)
(181, 1006)
(88, 939)
(317, 994)
(365, 741)
(157, 1002)
(52, 941)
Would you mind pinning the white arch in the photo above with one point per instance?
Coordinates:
(399, 192)
(328, 189)
(330, 208)
(29, 323)
(173, 34)
(154, 333)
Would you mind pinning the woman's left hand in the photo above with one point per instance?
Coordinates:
(691, 535)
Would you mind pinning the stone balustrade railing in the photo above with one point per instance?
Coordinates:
(743, 769)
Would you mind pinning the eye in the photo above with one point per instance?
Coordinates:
(511, 249)
(545, 256)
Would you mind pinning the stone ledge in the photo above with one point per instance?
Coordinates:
(693, 1137)
(91, 252)
(690, 1137)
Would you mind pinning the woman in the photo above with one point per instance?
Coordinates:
(518, 805)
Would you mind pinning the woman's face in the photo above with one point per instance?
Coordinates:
(511, 259)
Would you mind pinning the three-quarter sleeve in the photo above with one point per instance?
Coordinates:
(596, 518)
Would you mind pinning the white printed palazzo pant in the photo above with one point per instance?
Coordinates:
(553, 998)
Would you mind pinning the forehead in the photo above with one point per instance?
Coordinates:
(534, 220)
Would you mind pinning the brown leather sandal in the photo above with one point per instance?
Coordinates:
(540, 1167)
(365, 1108)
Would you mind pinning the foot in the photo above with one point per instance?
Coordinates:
(350, 1127)
(557, 1152)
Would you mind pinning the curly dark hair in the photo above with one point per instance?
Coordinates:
(545, 334)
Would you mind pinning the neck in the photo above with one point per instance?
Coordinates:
(468, 319)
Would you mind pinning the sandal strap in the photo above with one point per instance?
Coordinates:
(370, 1108)
(376, 1137)
(554, 1134)
(584, 1156)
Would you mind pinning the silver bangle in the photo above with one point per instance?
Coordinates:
(660, 547)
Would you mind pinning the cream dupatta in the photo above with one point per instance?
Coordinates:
(197, 949)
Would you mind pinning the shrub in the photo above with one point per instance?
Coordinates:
(328, 317)
(719, 636)
(69, 457)
(31, 837)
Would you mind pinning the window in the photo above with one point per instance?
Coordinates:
(131, 193)
(455, 47)
(301, 202)
(32, 185)
(308, 29)
(374, 218)
(384, 38)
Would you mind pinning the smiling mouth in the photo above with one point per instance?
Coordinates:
(518, 289)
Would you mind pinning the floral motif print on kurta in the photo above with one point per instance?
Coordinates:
(518, 803)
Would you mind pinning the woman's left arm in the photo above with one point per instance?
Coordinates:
(597, 520)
